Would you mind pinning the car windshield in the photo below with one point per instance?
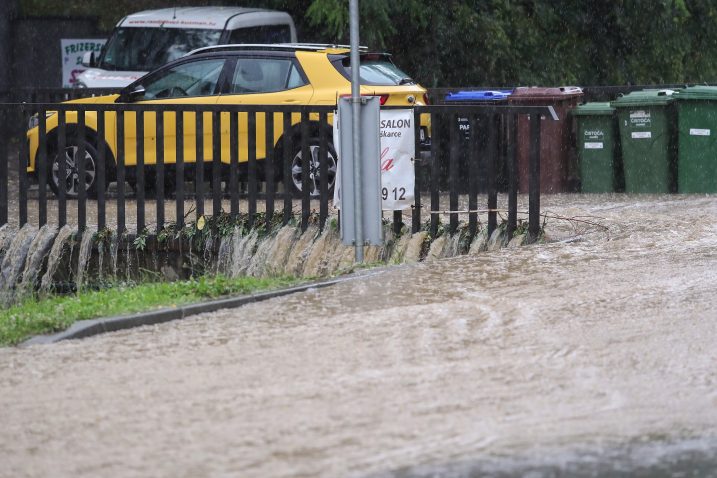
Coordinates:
(376, 70)
(145, 49)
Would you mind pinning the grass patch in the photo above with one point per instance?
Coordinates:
(41, 316)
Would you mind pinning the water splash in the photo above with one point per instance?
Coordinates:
(14, 261)
(35, 257)
(83, 258)
(414, 249)
(319, 258)
(300, 251)
(435, 252)
(242, 251)
(6, 235)
(452, 246)
(284, 241)
(257, 264)
(62, 243)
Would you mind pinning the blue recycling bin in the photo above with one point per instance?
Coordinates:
(477, 97)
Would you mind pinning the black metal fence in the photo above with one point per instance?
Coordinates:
(240, 180)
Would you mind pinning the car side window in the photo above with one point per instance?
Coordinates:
(197, 78)
(265, 75)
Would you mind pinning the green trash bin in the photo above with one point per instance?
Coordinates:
(697, 139)
(646, 120)
(596, 147)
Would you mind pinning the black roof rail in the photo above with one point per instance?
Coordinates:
(272, 47)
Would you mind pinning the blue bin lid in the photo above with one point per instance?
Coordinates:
(480, 95)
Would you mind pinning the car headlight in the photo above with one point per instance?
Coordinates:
(34, 120)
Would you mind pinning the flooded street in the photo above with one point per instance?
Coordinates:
(594, 354)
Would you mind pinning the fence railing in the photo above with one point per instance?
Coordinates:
(233, 160)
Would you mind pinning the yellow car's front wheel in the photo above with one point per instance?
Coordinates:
(70, 178)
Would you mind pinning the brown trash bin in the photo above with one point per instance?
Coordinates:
(557, 158)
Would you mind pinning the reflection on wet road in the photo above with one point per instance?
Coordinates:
(528, 359)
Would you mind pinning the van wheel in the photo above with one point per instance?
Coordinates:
(72, 182)
(315, 179)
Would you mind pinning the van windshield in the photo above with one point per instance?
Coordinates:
(145, 49)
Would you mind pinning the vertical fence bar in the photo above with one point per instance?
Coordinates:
(234, 163)
(216, 164)
(159, 169)
(473, 158)
(306, 164)
(453, 172)
(22, 183)
(491, 168)
(61, 168)
(435, 173)
(179, 169)
(286, 161)
(101, 172)
(269, 167)
(80, 155)
(199, 164)
(121, 149)
(417, 168)
(139, 173)
(251, 173)
(4, 159)
(41, 168)
(534, 181)
(23, 162)
(512, 159)
(324, 170)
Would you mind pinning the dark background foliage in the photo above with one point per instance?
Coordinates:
(494, 42)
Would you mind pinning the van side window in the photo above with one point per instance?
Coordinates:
(265, 75)
(196, 78)
(262, 34)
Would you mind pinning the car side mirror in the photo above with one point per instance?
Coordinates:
(137, 93)
(88, 59)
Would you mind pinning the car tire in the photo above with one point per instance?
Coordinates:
(72, 181)
(296, 179)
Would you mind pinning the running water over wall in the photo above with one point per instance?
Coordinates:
(48, 260)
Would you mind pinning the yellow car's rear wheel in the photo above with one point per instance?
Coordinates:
(315, 177)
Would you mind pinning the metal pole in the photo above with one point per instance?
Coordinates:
(356, 114)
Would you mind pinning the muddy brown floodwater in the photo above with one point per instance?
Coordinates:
(595, 355)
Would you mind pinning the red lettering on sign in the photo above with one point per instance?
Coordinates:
(386, 163)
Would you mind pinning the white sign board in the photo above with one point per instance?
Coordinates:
(398, 145)
(72, 52)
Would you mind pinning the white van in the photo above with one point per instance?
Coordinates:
(144, 41)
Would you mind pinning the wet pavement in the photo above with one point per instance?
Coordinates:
(592, 356)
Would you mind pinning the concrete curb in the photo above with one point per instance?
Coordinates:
(89, 328)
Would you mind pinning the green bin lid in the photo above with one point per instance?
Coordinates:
(594, 109)
(697, 93)
(644, 98)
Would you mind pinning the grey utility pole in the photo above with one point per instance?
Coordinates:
(356, 114)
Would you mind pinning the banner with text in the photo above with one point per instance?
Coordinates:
(397, 155)
(72, 52)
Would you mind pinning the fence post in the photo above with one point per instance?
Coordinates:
(435, 171)
(534, 182)
(512, 176)
(417, 168)
(323, 170)
(139, 172)
(491, 170)
(120, 173)
(4, 185)
(179, 168)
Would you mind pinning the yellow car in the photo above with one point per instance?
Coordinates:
(284, 74)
